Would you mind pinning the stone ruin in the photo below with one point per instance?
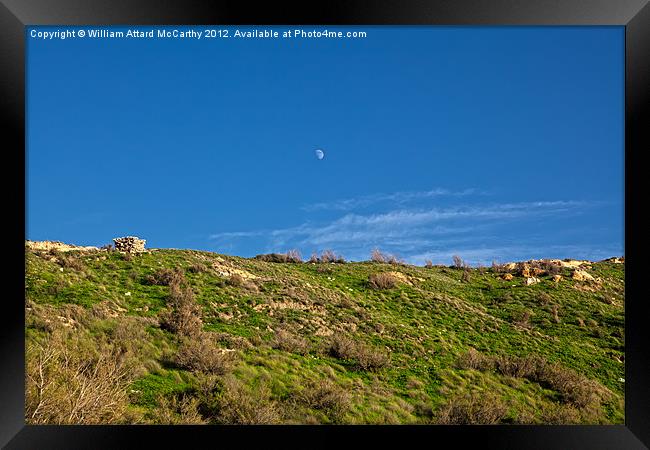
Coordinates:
(129, 244)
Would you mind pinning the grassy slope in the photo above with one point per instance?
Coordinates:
(425, 326)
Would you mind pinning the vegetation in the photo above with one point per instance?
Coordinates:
(181, 336)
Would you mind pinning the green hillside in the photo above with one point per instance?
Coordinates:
(182, 336)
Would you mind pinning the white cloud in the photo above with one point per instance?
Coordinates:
(412, 233)
(393, 198)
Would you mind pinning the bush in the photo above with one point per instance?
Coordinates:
(325, 395)
(70, 380)
(198, 268)
(289, 342)
(200, 354)
(574, 388)
(458, 262)
(428, 264)
(166, 277)
(364, 357)
(386, 258)
(465, 277)
(235, 280)
(382, 281)
(71, 262)
(178, 410)
(185, 315)
(245, 405)
(294, 256)
(475, 360)
(472, 409)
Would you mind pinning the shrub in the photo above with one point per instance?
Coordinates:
(166, 277)
(472, 409)
(522, 319)
(325, 395)
(544, 299)
(235, 280)
(498, 268)
(185, 315)
(178, 410)
(574, 388)
(72, 381)
(71, 262)
(272, 257)
(378, 256)
(328, 256)
(428, 264)
(382, 281)
(289, 342)
(245, 405)
(458, 262)
(465, 277)
(200, 354)
(198, 268)
(473, 359)
(364, 357)
(294, 256)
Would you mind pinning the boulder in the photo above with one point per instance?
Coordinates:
(507, 277)
(581, 275)
(532, 280)
(557, 278)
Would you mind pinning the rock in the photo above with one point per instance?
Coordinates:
(557, 278)
(507, 277)
(531, 280)
(581, 275)
(129, 244)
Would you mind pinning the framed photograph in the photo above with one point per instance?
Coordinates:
(265, 224)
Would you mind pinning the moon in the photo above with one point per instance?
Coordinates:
(320, 154)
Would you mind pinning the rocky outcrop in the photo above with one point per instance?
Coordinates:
(129, 244)
(532, 280)
(581, 275)
(56, 245)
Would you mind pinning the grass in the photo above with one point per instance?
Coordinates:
(277, 321)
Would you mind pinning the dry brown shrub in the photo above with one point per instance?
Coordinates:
(72, 380)
(522, 319)
(200, 354)
(166, 277)
(458, 262)
(561, 415)
(294, 256)
(472, 409)
(327, 396)
(377, 256)
(382, 281)
(185, 315)
(235, 280)
(178, 410)
(575, 389)
(198, 268)
(286, 341)
(245, 405)
(71, 261)
(475, 360)
(364, 356)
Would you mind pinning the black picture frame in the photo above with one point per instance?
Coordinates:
(634, 15)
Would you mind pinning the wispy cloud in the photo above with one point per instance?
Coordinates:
(395, 198)
(415, 233)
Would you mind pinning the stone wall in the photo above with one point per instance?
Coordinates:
(130, 244)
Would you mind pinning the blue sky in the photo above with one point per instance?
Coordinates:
(493, 143)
